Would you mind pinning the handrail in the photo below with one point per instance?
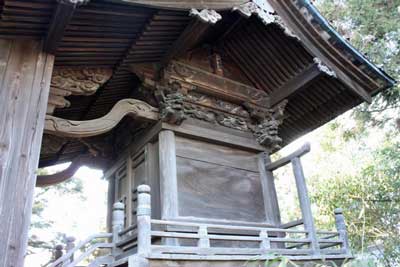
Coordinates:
(79, 246)
(127, 229)
(285, 160)
(292, 224)
(89, 251)
(229, 227)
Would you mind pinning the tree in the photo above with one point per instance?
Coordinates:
(364, 148)
(372, 26)
(38, 221)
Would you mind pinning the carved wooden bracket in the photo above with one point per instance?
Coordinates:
(206, 15)
(74, 81)
(56, 178)
(265, 124)
(126, 107)
(265, 12)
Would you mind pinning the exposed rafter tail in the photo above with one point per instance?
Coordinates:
(59, 22)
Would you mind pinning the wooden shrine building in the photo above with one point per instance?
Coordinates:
(180, 103)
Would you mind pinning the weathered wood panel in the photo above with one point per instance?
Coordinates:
(208, 190)
(25, 74)
(218, 154)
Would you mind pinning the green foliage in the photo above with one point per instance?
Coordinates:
(372, 26)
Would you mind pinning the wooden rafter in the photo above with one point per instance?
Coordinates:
(59, 22)
(126, 107)
(297, 83)
(193, 33)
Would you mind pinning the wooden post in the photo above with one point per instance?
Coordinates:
(58, 252)
(168, 178)
(341, 228)
(144, 220)
(270, 197)
(117, 224)
(265, 243)
(305, 204)
(204, 241)
(70, 246)
(25, 73)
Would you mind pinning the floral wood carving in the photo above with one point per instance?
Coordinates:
(265, 124)
(75, 81)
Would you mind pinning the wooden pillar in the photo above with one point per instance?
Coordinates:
(25, 74)
(168, 178)
(270, 197)
(305, 204)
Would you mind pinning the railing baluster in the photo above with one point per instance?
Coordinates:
(305, 204)
(144, 220)
(70, 246)
(118, 217)
(204, 241)
(341, 228)
(265, 244)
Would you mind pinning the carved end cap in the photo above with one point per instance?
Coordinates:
(338, 211)
(306, 147)
(118, 206)
(143, 188)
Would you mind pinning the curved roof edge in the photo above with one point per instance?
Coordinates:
(325, 25)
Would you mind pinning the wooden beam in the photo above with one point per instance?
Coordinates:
(192, 34)
(59, 22)
(68, 173)
(297, 83)
(25, 82)
(126, 107)
(186, 5)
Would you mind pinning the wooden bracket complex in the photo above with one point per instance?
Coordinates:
(74, 81)
(126, 107)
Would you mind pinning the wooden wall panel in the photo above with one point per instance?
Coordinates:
(25, 73)
(200, 150)
(212, 191)
(218, 182)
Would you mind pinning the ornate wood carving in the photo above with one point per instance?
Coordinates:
(265, 124)
(206, 15)
(324, 68)
(170, 101)
(68, 173)
(126, 107)
(192, 78)
(185, 91)
(265, 12)
(75, 81)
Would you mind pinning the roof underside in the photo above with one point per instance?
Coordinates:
(117, 33)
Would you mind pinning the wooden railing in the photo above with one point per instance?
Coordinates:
(217, 241)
